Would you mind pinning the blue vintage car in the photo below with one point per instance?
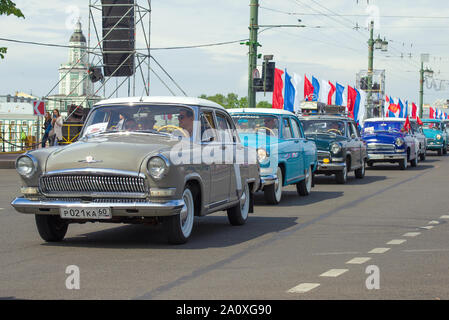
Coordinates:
(387, 141)
(436, 135)
(286, 157)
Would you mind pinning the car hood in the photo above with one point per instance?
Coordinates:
(382, 137)
(112, 151)
(431, 133)
(323, 141)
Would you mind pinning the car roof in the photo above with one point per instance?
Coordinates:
(191, 101)
(261, 111)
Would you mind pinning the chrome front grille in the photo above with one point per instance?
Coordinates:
(87, 185)
(380, 147)
(323, 154)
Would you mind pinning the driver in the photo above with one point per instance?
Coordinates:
(335, 126)
(185, 119)
(271, 123)
(148, 123)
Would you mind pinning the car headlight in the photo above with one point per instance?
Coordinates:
(399, 142)
(26, 166)
(157, 167)
(262, 155)
(439, 136)
(335, 148)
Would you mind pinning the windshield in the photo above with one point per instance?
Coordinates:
(389, 126)
(332, 127)
(259, 124)
(432, 125)
(175, 120)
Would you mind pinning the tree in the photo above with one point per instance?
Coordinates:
(9, 8)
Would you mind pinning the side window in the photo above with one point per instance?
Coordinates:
(286, 129)
(208, 128)
(224, 128)
(296, 129)
(352, 130)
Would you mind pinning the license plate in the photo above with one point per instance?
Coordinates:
(85, 213)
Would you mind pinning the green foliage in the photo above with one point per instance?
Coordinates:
(232, 100)
(9, 8)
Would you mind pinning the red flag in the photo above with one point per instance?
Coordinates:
(431, 113)
(331, 93)
(308, 89)
(407, 126)
(278, 99)
(418, 120)
(352, 95)
(414, 110)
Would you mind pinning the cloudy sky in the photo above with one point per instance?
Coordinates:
(328, 48)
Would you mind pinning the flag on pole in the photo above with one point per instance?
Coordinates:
(431, 113)
(407, 126)
(316, 89)
(308, 89)
(278, 100)
(352, 96)
(401, 108)
(325, 89)
(289, 93)
(356, 105)
(331, 93)
(339, 94)
(296, 80)
(414, 110)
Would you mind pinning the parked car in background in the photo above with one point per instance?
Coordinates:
(340, 146)
(286, 157)
(436, 135)
(141, 160)
(388, 141)
(421, 141)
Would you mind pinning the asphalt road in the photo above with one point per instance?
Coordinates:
(299, 249)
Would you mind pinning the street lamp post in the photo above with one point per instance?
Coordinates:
(422, 74)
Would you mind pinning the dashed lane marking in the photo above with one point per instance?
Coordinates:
(335, 253)
(411, 234)
(434, 222)
(303, 288)
(333, 273)
(358, 260)
(379, 250)
(444, 217)
(427, 227)
(397, 241)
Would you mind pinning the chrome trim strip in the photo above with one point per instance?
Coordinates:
(94, 171)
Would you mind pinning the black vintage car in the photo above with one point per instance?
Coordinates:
(339, 145)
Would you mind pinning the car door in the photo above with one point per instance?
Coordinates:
(211, 156)
(291, 153)
(354, 143)
(304, 153)
(228, 141)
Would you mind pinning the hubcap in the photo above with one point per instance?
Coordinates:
(186, 215)
(279, 185)
(244, 203)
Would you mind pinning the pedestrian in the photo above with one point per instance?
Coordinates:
(47, 127)
(57, 123)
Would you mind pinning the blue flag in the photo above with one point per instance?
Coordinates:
(357, 106)
(316, 89)
(289, 93)
(401, 111)
(339, 94)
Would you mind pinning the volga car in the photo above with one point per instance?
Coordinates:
(286, 157)
(387, 141)
(142, 160)
(340, 147)
(436, 135)
(421, 141)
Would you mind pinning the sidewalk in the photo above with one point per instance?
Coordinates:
(7, 160)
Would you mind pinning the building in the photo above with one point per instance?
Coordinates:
(74, 87)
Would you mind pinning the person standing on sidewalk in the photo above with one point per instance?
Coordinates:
(47, 127)
(57, 123)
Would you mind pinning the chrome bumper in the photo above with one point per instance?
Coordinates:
(386, 157)
(268, 180)
(332, 166)
(126, 209)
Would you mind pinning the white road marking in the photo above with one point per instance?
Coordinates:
(397, 241)
(411, 234)
(434, 222)
(379, 250)
(444, 217)
(303, 287)
(2, 208)
(427, 250)
(333, 273)
(358, 260)
(427, 227)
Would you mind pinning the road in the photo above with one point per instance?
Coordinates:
(395, 220)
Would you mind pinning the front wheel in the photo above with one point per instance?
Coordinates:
(273, 192)
(238, 215)
(440, 151)
(51, 228)
(342, 176)
(422, 156)
(403, 164)
(414, 162)
(304, 187)
(360, 173)
(179, 227)
(445, 150)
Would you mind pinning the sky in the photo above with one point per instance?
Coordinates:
(327, 48)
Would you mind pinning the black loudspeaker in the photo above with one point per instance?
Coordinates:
(118, 37)
(95, 74)
(268, 75)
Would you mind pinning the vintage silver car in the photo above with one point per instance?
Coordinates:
(142, 160)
